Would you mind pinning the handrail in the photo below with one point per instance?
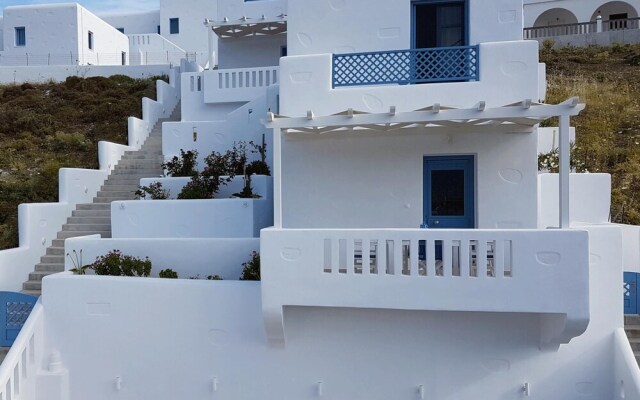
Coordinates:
(442, 64)
(581, 28)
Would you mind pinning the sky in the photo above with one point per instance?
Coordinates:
(95, 6)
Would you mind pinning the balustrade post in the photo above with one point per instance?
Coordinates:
(599, 23)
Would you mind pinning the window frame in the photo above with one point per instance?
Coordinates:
(17, 42)
(174, 29)
(90, 40)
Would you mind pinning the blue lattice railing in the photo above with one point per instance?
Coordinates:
(442, 64)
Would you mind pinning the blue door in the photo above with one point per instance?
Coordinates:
(449, 198)
(14, 311)
(630, 293)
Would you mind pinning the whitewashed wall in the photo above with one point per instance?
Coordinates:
(193, 34)
(188, 257)
(108, 43)
(353, 353)
(234, 124)
(548, 138)
(590, 200)
(49, 28)
(133, 23)
(217, 218)
(250, 52)
(305, 84)
(236, 9)
(354, 26)
(193, 106)
(374, 180)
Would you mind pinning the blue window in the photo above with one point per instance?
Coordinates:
(21, 36)
(283, 51)
(174, 26)
(90, 40)
(120, 29)
(158, 29)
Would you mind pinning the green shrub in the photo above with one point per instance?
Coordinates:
(168, 273)
(115, 263)
(199, 187)
(214, 278)
(154, 191)
(251, 269)
(185, 165)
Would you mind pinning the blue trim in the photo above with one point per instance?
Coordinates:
(457, 162)
(442, 64)
(14, 311)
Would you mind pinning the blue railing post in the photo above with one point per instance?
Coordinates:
(442, 64)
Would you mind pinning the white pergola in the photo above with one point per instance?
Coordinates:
(509, 118)
(243, 27)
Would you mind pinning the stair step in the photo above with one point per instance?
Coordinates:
(32, 285)
(52, 259)
(86, 227)
(38, 275)
(36, 293)
(42, 267)
(57, 243)
(142, 173)
(124, 194)
(55, 251)
(93, 206)
(70, 234)
(108, 200)
(89, 220)
(91, 213)
(108, 187)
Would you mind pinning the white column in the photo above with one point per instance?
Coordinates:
(599, 23)
(277, 178)
(212, 43)
(565, 170)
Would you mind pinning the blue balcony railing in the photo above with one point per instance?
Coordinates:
(442, 64)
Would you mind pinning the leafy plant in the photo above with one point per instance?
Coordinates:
(78, 267)
(115, 263)
(251, 268)
(185, 165)
(258, 167)
(214, 278)
(154, 191)
(168, 273)
(199, 187)
(247, 191)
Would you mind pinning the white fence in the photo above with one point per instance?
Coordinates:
(581, 28)
(534, 271)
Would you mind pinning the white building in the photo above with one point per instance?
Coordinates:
(416, 252)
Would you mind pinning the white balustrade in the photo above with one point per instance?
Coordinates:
(530, 271)
(236, 85)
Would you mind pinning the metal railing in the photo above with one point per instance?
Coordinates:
(443, 64)
(581, 28)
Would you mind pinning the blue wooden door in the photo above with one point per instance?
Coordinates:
(449, 198)
(630, 293)
(14, 311)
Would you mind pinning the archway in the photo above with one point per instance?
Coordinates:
(615, 10)
(555, 16)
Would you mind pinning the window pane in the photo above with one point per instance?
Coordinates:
(447, 192)
(21, 37)
(174, 25)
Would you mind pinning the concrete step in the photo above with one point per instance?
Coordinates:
(69, 234)
(89, 220)
(38, 275)
(118, 188)
(632, 320)
(141, 173)
(55, 251)
(32, 285)
(91, 213)
(108, 200)
(52, 259)
(41, 267)
(36, 293)
(86, 227)
(3, 353)
(124, 194)
(93, 206)
(123, 180)
(57, 243)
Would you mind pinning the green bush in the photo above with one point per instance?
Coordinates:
(168, 273)
(185, 165)
(154, 191)
(199, 187)
(251, 269)
(115, 263)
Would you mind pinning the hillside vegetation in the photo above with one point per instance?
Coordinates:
(607, 79)
(48, 126)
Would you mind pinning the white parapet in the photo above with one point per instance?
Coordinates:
(515, 271)
(237, 85)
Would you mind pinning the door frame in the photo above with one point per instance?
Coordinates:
(414, 3)
(471, 159)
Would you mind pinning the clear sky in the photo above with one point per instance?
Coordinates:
(95, 6)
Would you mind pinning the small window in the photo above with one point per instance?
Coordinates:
(120, 29)
(158, 29)
(283, 51)
(21, 36)
(90, 40)
(174, 26)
